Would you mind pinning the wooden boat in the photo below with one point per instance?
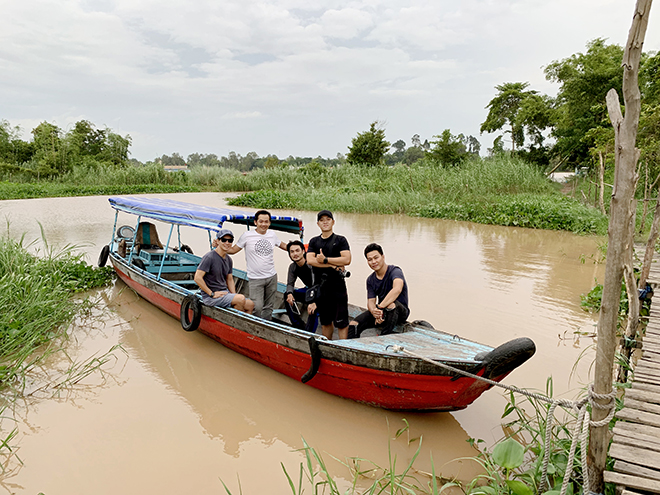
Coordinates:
(367, 370)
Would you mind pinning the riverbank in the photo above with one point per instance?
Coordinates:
(497, 191)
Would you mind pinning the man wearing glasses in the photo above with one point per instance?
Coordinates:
(214, 276)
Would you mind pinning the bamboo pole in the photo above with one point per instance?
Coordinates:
(619, 238)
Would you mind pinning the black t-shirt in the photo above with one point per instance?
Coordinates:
(332, 248)
(380, 288)
(303, 273)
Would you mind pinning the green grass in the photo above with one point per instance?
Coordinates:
(499, 190)
(36, 297)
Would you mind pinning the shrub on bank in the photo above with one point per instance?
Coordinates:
(538, 212)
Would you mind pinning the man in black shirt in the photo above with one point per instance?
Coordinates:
(299, 269)
(328, 255)
(387, 296)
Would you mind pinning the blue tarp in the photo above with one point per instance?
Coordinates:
(204, 217)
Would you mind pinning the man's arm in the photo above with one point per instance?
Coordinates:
(397, 287)
(377, 313)
(199, 280)
(290, 283)
(282, 246)
(230, 283)
(234, 249)
(340, 261)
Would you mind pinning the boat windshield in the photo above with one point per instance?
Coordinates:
(203, 217)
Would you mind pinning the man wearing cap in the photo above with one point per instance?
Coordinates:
(214, 276)
(328, 254)
(260, 245)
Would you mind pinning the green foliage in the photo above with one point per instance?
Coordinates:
(504, 110)
(584, 79)
(368, 147)
(53, 153)
(265, 199)
(448, 149)
(538, 212)
(37, 303)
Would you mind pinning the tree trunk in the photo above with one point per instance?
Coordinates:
(626, 156)
(647, 193)
(650, 245)
(601, 177)
(632, 323)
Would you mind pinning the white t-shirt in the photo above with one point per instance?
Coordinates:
(259, 250)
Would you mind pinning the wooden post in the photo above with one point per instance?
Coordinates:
(626, 156)
(650, 245)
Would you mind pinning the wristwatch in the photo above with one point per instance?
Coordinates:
(325, 260)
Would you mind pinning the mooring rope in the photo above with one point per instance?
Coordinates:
(581, 428)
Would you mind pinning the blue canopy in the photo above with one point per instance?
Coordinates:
(203, 217)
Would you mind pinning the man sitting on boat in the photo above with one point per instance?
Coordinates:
(214, 276)
(299, 269)
(328, 255)
(259, 247)
(387, 296)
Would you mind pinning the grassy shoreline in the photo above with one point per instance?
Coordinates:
(38, 303)
(499, 191)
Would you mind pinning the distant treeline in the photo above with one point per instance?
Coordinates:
(399, 153)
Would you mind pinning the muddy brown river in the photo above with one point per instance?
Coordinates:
(177, 412)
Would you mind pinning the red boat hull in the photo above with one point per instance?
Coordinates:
(377, 387)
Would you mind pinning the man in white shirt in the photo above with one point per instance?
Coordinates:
(259, 247)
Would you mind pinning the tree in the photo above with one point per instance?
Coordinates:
(51, 157)
(368, 147)
(504, 110)
(413, 155)
(585, 79)
(449, 149)
(399, 146)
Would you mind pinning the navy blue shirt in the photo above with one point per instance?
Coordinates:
(380, 288)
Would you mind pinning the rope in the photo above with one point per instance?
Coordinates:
(581, 430)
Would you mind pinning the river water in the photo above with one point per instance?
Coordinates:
(177, 412)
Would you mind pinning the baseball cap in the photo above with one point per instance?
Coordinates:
(223, 232)
(326, 213)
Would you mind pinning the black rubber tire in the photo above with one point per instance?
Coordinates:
(103, 257)
(191, 303)
(139, 263)
(185, 248)
(508, 357)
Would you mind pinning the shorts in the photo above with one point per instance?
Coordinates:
(219, 302)
(333, 308)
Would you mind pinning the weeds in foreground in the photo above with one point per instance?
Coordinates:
(512, 467)
(39, 297)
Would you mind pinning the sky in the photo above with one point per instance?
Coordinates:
(284, 77)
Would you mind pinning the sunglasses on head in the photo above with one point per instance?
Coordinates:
(227, 239)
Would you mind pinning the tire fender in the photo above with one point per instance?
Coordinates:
(191, 303)
(103, 257)
(139, 263)
(315, 352)
(508, 357)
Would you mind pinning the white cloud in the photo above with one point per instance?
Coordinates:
(284, 76)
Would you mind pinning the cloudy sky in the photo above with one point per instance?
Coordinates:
(289, 77)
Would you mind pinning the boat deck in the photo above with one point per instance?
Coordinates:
(427, 343)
